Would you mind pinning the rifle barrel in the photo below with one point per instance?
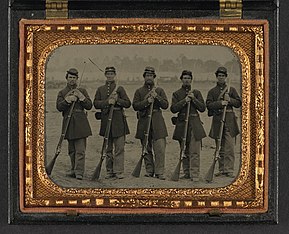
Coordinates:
(137, 169)
(210, 174)
(97, 170)
(176, 174)
(50, 165)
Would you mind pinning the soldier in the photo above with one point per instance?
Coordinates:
(106, 96)
(218, 97)
(180, 100)
(143, 97)
(78, 128)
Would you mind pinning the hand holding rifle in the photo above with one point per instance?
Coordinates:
(96, 173)
(113, 98)
(78, 94)
(210, 174)
(176, 174)
(137, 169)
(70, 99)
(111, 101)
(150, 98)
(152, 95)
(191, 95)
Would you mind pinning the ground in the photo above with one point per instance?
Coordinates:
(132, 148)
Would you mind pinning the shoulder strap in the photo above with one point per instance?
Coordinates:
(222, 93)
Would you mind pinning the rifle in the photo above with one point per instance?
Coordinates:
(137, 169)
(97, 170)
(50, 165)
(176, 174)
(210, 174)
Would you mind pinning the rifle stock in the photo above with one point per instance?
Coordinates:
(176, 174)
(50, 165)
(210, 174)
(96, 173)
(97, 170)
(137, 169)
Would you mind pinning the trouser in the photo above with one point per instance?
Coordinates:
(76, 151)
(156, 166)
(191, 163)
(115, 159)
(227, 157)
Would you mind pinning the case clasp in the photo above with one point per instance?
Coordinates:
(56, 9)
(231, 9)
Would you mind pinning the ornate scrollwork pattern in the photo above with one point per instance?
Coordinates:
(230, 197)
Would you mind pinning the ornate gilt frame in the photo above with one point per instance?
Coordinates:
(247, 38)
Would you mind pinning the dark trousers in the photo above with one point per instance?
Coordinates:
(76, 151)
(156, 166)
(227, 156)
(191, 163)
(115, 158)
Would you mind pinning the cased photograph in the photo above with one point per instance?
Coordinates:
(144, 116)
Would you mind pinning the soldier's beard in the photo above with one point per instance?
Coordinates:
(149, 82)
(72, 84)
(187, 84)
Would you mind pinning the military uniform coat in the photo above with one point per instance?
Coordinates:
(214, 105)
(78, 125)
(119, 125)
(141, 104)
(179, 106)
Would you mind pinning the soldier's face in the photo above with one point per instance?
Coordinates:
(71, 79)
(110, 76)
(149, 78)
(221, 77)
(187, 79)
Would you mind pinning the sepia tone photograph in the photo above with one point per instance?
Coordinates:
(143, 116)
(167, 115)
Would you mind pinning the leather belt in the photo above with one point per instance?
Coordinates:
(229, 111)
(117, 108)
(156, 110)
(78, 111)
(194, 115)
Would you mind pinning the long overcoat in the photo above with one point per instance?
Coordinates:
(78, 125)
(179, 106)
(214, 105)
(141, 104)
(119, 125)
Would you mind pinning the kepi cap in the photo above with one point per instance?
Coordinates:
(110, 69)
(149, 70)
(186, 72)
(221, 70)
(72, 71)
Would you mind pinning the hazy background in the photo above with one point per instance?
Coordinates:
(130, 61)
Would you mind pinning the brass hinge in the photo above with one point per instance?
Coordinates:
(56, 9)
(231, 9)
